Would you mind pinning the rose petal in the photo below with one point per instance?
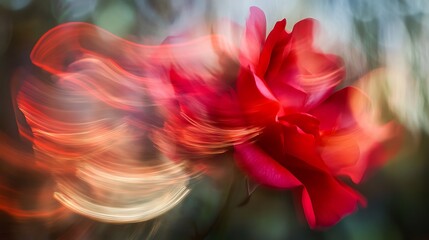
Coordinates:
(376, 147)
(301, 145)
(326, 201)
(292, 99)
(284, 146)
(330, 200)
(257, 101)
(303, 33)
(319, 73)
(262, 168)
(338, 112)
(306, 122)
(254, 38)
(341, 151)
(272, 53)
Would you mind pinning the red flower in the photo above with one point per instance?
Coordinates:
(312, 134)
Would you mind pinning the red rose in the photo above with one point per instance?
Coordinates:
(312, 134)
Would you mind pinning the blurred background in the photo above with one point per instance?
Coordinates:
(385, 46)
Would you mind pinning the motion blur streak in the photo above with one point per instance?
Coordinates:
(77, 123)
(17, 157)
(70, 41)
(201, 137)
(122, 196)
(12, 197)
(90, 125)
(41, 207)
